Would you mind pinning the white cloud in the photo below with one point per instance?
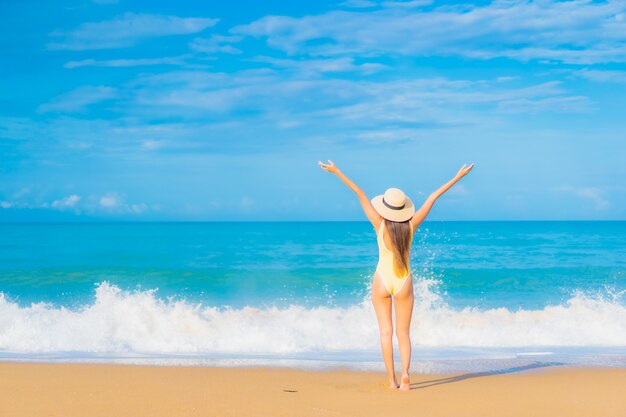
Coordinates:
(593, 194)
(110, 200)
(153, 144)
(216, 44)
(175, 60)
(69, 201)
(79, 99)
(364, 4)
(311, 67)
(405, 3)
(276, 96)
(138, 208)
(358, 4)
(569, 104)
(20, 200)
(114, 203)
(608, 76)
(22, 204)
(109, 203)
(287, 124)
(292, 107)
(593, 54)
(383, 136)
(126, 30)
(576, 31)
(504, 79)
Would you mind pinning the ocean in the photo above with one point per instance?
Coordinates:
(488, 294)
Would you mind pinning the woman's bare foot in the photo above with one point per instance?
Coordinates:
(393, 384)
(405, 385)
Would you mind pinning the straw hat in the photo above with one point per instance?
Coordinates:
(394, 205)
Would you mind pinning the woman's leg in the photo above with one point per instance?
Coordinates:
(403, 302)
(382, 305)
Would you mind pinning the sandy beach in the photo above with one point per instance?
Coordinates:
(30, 390)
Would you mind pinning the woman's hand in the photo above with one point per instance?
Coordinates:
(463, 171)
(330, 167)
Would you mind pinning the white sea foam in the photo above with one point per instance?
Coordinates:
(122, 322)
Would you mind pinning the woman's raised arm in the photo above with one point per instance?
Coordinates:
(423, 211)
(369, 210)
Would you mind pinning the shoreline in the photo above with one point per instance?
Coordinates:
(427, 361)
(72, 389)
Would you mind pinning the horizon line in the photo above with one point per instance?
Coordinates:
(93, 221)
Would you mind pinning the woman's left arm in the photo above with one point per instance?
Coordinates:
(423, 211)
(369, 210)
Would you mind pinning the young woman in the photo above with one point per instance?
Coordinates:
(394, 219)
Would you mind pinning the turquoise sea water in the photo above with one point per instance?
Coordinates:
(299, 290)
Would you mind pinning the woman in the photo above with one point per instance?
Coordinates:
(394, 219)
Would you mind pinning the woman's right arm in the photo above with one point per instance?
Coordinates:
(423, 211)
(369, 210)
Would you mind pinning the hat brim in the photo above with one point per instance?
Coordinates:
(401, 215)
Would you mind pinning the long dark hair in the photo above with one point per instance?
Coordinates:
(401, 235)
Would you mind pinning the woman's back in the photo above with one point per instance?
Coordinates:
(392, 281)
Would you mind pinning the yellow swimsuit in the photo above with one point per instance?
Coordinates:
(392, 283)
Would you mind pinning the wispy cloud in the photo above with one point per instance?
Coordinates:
(200, 111)
(569, 104)
(403, 100)
(151, 144)
(139, 62)
(600, 53)
(114, 202)
(358, 4)
(216, 44)
(607, 76)
(406, 3)
(593, 194)
(126, 30)
(573, 31)
(21, 200)
(110, 200)
(69, 201)
(312, 67)
(79, 99)
(365, 4)
(109, 204)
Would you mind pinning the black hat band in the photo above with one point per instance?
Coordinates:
(393, 207)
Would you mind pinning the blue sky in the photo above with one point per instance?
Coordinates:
(197, 110)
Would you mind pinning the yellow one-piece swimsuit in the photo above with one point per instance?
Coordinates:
(392, 283)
